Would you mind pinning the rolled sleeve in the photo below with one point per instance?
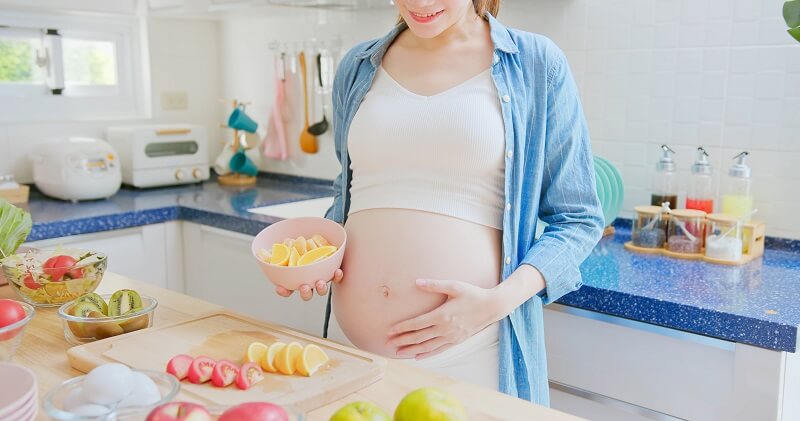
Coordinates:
(568, 201)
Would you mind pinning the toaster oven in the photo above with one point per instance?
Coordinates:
(161, 155)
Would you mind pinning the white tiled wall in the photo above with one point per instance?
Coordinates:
(723, 74)
(184, 56)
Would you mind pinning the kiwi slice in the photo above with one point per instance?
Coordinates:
(96, 300)
(136, 323)
(83, 309)
(107, 330)
(124, 301)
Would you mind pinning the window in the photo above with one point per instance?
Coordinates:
(72, 67)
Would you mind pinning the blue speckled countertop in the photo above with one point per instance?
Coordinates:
(756, 304)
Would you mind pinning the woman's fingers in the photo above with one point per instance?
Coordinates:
(413, 338)
(435, 351)
(338, 275)
(426, 347)
(283, 292)
(417, 323)
(306, 293)
(322, 288)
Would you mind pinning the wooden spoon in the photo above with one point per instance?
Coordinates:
(308, 142)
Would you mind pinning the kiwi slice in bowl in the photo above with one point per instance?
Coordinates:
(124, 301)
(84, 308)
(96, 300)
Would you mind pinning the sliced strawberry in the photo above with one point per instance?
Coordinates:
(224, 373)
(200, 370)
(178, 366)
(249, 375)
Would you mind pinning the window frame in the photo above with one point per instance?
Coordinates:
(128, 99)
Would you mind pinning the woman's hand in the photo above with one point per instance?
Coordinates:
(307, 292)
(468, 310)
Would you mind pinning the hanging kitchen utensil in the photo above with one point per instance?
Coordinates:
(275, 145)
(322, 126)
(308, 142)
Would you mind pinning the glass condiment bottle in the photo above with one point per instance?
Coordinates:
(700, 194)
(649, 227)
(686, 231)
(664, 184)
(737, 199)
(724, 237)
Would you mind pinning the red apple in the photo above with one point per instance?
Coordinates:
(224, 373)
(179, 411)
(10, 312)
(200, 370)
(249, 375)
(254, 411)
(178, 366)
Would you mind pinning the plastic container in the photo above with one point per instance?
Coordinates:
(700, 194)
(664, 180)
(54, 286)
(53, 404)
(291, 277)
(11, 335)
(649, 227)
(737, 197)
(81, 330)
(686, 231)
(723, 237)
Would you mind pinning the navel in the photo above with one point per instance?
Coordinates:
(384, 290)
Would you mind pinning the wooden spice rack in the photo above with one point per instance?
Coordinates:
(753, 236)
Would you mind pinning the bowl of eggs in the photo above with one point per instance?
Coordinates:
(300, 251)
(110, 391)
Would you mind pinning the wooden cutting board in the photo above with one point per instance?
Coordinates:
(226, 335)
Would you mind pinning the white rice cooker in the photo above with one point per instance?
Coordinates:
(76, 168)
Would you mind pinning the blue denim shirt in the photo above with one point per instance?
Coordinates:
(549, 175)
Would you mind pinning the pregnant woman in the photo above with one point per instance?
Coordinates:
(455, 135)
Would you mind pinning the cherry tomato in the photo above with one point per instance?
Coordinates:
(10, 313)
(58, 266)
(31, 283)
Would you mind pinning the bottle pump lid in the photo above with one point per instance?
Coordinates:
(701, 165)
(666, 164)
(740, 169)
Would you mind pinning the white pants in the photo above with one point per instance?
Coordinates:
(475, 360)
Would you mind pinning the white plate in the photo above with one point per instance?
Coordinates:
(16, 389)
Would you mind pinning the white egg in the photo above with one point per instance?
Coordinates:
(74, 399)
(108, 384)
(90, 410)
(145, 392)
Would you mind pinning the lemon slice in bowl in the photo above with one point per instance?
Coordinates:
(280, 255)
(315, 255)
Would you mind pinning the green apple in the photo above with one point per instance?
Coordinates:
(429, 404)
(360, 411)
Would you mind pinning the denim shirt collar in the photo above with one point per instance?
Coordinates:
(500, 37)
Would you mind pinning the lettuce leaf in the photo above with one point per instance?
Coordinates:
(15, 225)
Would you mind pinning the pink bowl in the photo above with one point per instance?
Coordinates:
(16, 390)
(292, 277)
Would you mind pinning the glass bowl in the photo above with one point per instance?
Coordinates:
(81, 330)
(45, 282)
(11, 335)
(53, 404)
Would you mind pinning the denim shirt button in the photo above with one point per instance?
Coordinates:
(506, 98)
(508, 206)
(495, 58)
(508, 260)
(510, 154)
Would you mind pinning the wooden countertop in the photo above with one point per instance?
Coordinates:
(43, 351)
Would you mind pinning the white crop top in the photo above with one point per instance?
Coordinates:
(442, 153)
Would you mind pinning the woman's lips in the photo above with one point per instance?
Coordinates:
(425, 17)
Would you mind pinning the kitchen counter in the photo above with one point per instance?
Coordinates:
(43, 351)
(754, 304)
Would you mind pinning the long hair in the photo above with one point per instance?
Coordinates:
(482, 7)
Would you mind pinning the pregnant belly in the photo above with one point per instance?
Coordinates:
(387, 250)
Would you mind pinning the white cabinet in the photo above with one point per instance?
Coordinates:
(148, 253)
(219, 268)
